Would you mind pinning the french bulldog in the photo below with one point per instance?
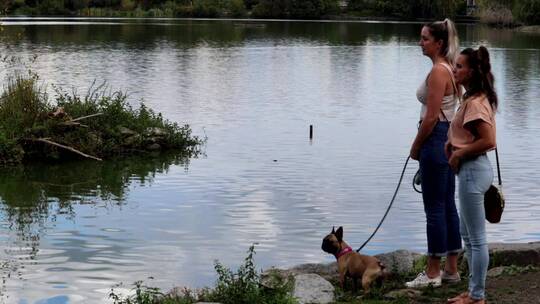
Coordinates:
(350, 263)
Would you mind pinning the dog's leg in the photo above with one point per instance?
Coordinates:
(342, 280)
(370, 275)
(355, 285)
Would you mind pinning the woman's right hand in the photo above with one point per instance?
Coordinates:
(447, 149)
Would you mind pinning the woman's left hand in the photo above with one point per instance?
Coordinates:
(415, 152)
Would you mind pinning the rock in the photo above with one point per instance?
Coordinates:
(153, 147)
(327, 271)
(495, 272)
(403, 293)
(519, 254)
(131, 141)
(274, 278)
(126, 132)
(95, 139)
(312, 289)
(156, 132)
(399, 261)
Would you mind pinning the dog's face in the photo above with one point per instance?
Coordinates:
(332, 242)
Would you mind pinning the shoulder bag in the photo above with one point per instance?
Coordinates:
(494, 198)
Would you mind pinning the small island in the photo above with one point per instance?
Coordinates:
(100, 125)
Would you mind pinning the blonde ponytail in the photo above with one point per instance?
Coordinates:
(453, 41)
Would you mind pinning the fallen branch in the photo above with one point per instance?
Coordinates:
(84, 117)
(70, 123)
(45, 140)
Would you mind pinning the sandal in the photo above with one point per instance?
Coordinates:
(465, 299)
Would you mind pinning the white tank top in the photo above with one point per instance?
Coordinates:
(449, 102)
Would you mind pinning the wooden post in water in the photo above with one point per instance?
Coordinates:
(310, 131)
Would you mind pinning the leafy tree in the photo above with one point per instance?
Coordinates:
(528, 11)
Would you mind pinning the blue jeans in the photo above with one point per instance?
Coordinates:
(438, 189)
(475, 176)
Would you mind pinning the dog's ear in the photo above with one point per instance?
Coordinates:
(333, 230)
(339, 234)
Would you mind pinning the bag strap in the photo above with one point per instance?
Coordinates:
(498, 167)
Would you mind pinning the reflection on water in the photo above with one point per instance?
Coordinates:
(38, 198)
(69, 232)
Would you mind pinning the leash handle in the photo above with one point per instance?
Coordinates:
(389, 206)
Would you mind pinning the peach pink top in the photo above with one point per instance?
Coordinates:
(473, 108)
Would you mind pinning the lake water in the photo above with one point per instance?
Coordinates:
(70, 232)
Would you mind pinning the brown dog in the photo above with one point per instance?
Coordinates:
(350, 263)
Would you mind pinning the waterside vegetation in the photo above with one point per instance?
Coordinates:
(246, 285)
(99, 125)
(232, 287)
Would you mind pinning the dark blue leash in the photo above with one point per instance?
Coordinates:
(389, 206)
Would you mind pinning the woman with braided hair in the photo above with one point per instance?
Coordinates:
(471, 135)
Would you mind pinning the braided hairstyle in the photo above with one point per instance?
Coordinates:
(481, 80)
(446, 32)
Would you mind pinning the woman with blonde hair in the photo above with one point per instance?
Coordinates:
(438, 96)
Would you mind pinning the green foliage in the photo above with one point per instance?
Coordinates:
(240, 287)
(243, 286)
(407, 9)
(527, 11)
(237, 8)
(270, 9)
(300, 9)
(206, 8)
(21, 105)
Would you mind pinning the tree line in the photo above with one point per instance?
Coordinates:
(517, 11)
(295, 9)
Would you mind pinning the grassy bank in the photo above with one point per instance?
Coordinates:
(98, 125)
(246, 285)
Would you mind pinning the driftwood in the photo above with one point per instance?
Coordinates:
(49, 142)
(71, 123)
(84, 117)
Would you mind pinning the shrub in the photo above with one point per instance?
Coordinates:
(528, 11)
(206, 8)
(237, 8)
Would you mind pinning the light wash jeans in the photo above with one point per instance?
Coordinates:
(475, 176)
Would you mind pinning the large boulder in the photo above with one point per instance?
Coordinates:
(399, 261)
(312, 289)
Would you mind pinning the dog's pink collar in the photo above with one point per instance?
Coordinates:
(343, 252)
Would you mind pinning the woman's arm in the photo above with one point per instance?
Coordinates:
(484, 141)
(436, 84)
